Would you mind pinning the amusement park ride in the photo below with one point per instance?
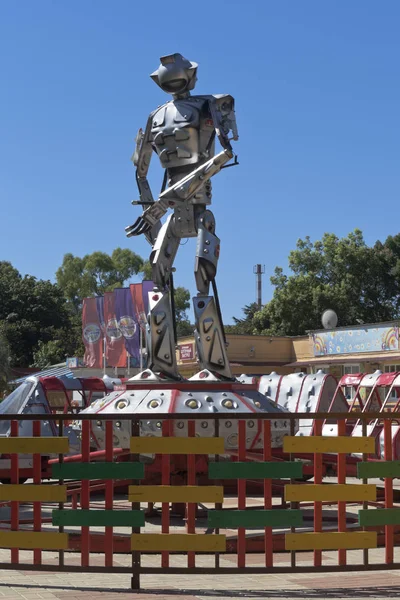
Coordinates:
(273, 393)
(182, 133)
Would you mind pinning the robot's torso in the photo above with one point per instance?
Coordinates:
(183, 134)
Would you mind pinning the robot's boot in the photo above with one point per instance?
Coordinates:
(209, 336)
(160, 335)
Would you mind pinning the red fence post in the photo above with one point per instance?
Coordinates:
(165, 480)
(136, 556)
(341, 463)
(218, 506)
(85, 494)
(61, 482)
(293, 505)
(241, 484)
(14, 480)
(317, 480)
(389, 531)
(109, 496)
(267, 456)
(37, 479)
(191, 480)
(365, 481)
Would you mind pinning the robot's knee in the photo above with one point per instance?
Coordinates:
(205, 272)
(207, 221)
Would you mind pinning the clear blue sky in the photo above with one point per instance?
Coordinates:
(317, 93)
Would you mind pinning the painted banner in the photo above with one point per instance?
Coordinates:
(127, 321)
(381, 338)
(147, 286)
(92, 334)
(100, 312)
(140, 299)
(115, 344)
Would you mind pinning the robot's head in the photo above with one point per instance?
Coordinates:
(176, 74)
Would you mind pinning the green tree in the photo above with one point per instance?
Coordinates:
(10, 279)
(48, 353)
(72, 337)
(244, 326)
(147, 271)
(359, 282)
(31, 310)
(4, 364)
(96, 273)
(182, 304)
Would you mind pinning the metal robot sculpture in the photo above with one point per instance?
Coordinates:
(182, 133)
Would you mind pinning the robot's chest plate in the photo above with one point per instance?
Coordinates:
(176, 132)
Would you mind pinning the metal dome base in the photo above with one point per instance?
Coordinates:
(203, 394)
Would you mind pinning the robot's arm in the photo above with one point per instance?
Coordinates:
(181, 191)
(222, 109)
(141, 159)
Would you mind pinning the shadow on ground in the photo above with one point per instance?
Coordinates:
(376, 591)
(354, 592)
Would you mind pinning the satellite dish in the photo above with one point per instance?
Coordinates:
(329, 319)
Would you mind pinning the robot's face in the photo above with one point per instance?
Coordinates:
(172, 80)
(175, 75)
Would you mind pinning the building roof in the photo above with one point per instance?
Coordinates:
(53, 371)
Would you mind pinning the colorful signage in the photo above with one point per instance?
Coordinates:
(186, 352)
(380, 338)
(74, 362)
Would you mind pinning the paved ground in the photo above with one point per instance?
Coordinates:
(25, 585)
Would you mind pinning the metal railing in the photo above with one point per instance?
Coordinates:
(218, 505)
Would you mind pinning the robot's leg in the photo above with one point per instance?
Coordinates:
(161, 325)
(210, 337)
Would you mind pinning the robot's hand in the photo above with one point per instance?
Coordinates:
(150, 217)
(139, 226)
(155, 212)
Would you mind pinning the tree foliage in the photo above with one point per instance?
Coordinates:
(4, 363)
(48, 353)
(31, 310)
(244, 326)
(361, 283)
(182, 304)
(96, 273)
(147, 270)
